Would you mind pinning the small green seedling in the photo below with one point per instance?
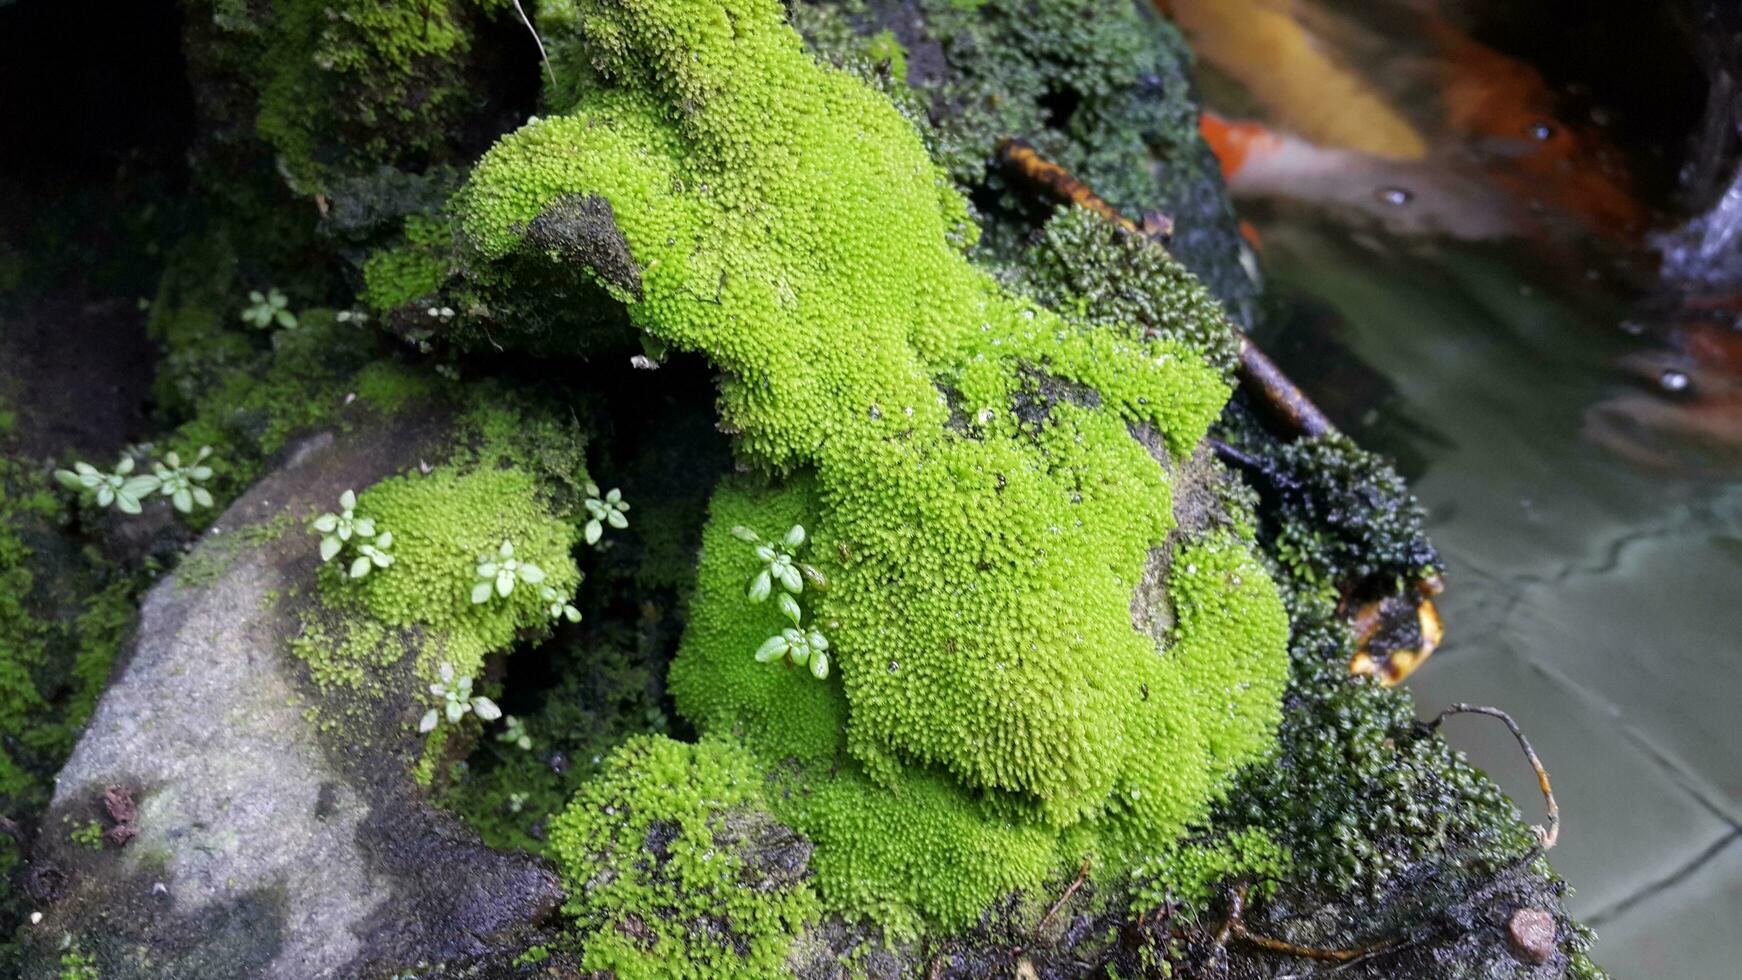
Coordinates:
(780, 564)
(121, 488)
(609, 509)
(181, 484)
(803, 648)
(515, 734)
(346, 527)
(560, 608)
(458, 695)
(89, 834)
(500, 571)
(373, 554)
(336, 529)
(265, 310)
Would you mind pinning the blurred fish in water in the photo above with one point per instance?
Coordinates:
(1403, 196)
(1482, 156)
(1387, 115)
(1504, 113)
(1264, 47)
(1685, 413)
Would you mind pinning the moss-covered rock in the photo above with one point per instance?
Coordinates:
(274, 827)
(965, 462)
(344, 88)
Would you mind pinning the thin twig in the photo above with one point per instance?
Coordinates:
(1264, 379)
(1545, 835)
(1235, 927)
(1082, 876)
(536, 40)
(1025, 160)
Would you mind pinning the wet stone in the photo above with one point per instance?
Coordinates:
(1531, 934)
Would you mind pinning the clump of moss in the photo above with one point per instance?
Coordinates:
(658, 882)
(63, 614)
(1362, 793)
(445, 523)
(981, 535)
(346, 87)
(1102, 276)
(1188, 875)
(1103, 88)
(880, 842)
(1341, 515)
(412, 270)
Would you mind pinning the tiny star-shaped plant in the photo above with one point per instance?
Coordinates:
(804, 648)
(499, 572)
(515, 734)
(181, 484)
(458, 695)
(336, 529)
(780, 564)
(609, 509)
(265, 310)
(120, 488)
(560, 608)
(372, 554)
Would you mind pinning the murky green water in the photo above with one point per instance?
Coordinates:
(1601, 605)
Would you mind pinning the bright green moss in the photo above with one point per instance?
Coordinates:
(88, 834)
(971, 484)
(412, 270)
(1187, 875)
(76, 965)
(1207, 704)
(442, 523)
(714, 681)
(923, 852)
(388, 387)
(656, 882)
(1101, 86)
(817, 264)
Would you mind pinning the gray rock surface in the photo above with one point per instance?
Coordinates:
(265, 843)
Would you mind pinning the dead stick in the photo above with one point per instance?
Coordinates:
(1236, 927)
(1021, 158)
(1544, 835)
(1082, 876)
(1265, 381)
(1258, 374)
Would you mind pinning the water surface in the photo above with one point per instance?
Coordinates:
(1598, 603)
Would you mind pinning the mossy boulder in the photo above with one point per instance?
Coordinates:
(275, 827)
(986, 480)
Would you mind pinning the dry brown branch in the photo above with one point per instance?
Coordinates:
(1545, 835)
